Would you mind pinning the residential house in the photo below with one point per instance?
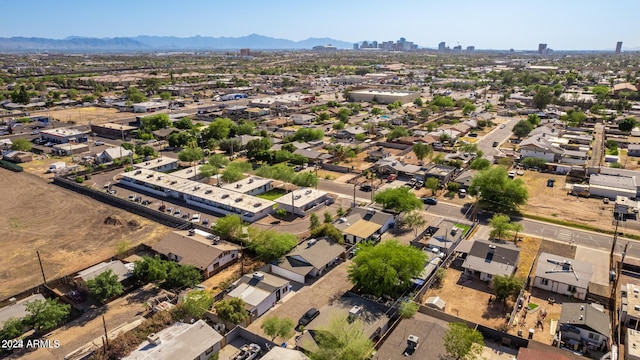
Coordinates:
(252, 185)
(580, 322)
(113, 153)
(391, 165)
(634, 150)
(313, 156)
(303, 119)
(378, 153)
(5, 144)
(373, 316)
(563, 275)
(441, 237)
(244, 139)
(363, 224)
(17, 156)
(350, 132)
(540, 147)
(277, 122)
(280, 353)
(17, 309)
(199, 249)
(464, 178)
(488, 259)
(259, 291)
(163, 134)
(308, 260)
(149, 106)
(443, 173)
(123, 272)
(179, 341)
(630, 306)
(427, 331)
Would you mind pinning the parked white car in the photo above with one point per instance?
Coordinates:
(195, 218)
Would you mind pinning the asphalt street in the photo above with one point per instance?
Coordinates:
(496, 135)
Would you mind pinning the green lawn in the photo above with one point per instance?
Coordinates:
(272, 194)
(465, 228)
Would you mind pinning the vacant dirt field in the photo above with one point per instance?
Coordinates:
(84, 115)
(555, 203)
(469, 299)
(67, 228)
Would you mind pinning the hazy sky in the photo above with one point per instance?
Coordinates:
(489, 24)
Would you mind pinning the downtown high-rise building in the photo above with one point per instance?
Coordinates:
(442, 46)
(619, 47)
(542, 48)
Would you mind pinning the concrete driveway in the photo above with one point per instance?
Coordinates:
(332, 285)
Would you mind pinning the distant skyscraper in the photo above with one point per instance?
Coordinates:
(442, 46)
(619, 47)
(542, 48)
(355, 46)
(245, 52)
(374, 44)
(471, 48)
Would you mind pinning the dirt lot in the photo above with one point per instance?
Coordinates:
(469, 299)
(555, 203)
(84, 115)
(67, 228)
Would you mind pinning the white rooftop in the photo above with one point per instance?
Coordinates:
(186, 173)
(381, 92)
(63, 132)
(156, 163)
(150, 104)
(179, 341)
(301, 197)
(208, 193)
(249, 294)
(248, 184)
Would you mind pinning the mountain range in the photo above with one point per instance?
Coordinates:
(158, 43)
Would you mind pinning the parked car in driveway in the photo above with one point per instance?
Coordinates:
(177, 213)
(132, 197)
(308, 317)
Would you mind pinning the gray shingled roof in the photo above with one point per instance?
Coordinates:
(580, 276)
(585, 316)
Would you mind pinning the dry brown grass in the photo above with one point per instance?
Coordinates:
(528, 251)
(84, 115)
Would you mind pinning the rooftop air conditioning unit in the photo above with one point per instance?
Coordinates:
(154, 339)
(307, 192)
(257, 204)
(311, 242)
(238, 186)
(250, 181)
(138, 172)
(224, 196)
(208, 191)
(258, 275)
(238, 199)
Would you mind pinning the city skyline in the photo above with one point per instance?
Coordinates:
(498, 24)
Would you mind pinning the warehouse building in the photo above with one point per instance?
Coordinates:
(383, 96)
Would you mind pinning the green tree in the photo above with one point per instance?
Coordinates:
(105, 286)
(506, 287)
(21, 145)
(480, 164)
(228, 227)
(400, 199)
(231, 310)
(418, 102)
(72, 94)
(601, 92)
(271, 245)
(180, 276)
(328, 218)
(522, 128)
(414, 220)
(11, 329)
(314, 221)
(330, 231)
(155, 122)
(407, 309)
(342, 339)
(165, 95)
(433, 184)
(453, 186)
(531, 162)
(534, 119)
(343, 115)
(397, 132)
(305, 179)
(308, 134)
(20, 96)
(218, 160)
(377, 111)
(196, 303)
(463, 343)
(574, 117)
(468, 109)
(184, 124)
(422, 150)
(500, 226)
(255, 147)
(135, 96)
(386, 268)
(46, 314)
(220, 128)
(180, 139)
(542, 97)
(277, 327)
(624, 125)
(150, 269)
(499, 193)
(231, 175)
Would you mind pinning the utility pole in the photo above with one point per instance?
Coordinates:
(44, 279)
(475, 206)
(354, 194)
(106, 335)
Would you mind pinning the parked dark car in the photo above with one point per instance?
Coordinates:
(308, 317)
(430, 200)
